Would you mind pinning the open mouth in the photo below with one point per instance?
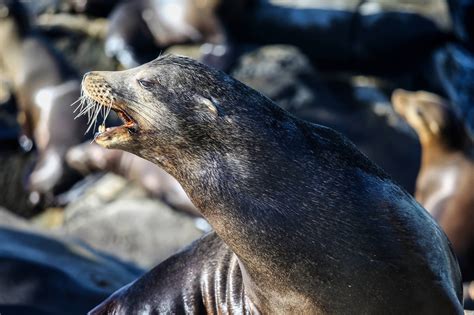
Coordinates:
(129, 125)
(95, 110)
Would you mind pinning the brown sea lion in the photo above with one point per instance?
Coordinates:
(304, 223)
(44, 86)
(446, 179)
(89, 157)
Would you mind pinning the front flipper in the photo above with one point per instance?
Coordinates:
(203, 278)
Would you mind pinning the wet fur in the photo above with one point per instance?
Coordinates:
(316, 226)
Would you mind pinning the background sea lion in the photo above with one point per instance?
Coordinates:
(44, 86)
(89, 157)
(76, 279)
(446, 177)
(140, 30)
(304, 222)
(100, 8)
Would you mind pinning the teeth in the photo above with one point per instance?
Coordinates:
(102, 128)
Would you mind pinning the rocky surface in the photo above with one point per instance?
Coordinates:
(117, 217)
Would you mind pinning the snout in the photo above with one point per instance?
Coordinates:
(95, 86)
(400, 100)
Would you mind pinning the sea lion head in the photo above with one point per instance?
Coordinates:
(432, 117)
(13, 18)
(173, 108)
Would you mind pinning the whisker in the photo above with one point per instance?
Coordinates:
(76, 101)
(93, 122)
(84, 110)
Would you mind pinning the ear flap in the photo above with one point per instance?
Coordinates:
(209, 104)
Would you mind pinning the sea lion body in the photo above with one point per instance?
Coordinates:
(446, 177)
(314, 226)
(44, 87)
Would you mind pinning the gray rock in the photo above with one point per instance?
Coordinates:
(284, 74)
(116, 217)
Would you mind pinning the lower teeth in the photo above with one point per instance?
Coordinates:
(101, 128)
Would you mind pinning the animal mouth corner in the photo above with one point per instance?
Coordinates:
(93, 109)
(128, 124)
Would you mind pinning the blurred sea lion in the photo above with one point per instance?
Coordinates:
(53, 274)
(347, 34)
(446, 178)
(140, 30)
(90, 157)
(44, 87)
(99, 8)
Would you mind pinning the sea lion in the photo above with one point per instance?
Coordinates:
(100, 8)
(44, 86)
(140, 30)
(346, 34)
(446, 177)
(89, 157)
(304, 222)
(56, 274)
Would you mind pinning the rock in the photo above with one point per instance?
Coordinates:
(50, 218)
(115, 216)
(9, 219)
(45, 274)
(282, 73)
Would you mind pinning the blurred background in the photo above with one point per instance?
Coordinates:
(77, 222)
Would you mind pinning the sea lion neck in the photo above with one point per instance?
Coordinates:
(436, 149)
(239, 194)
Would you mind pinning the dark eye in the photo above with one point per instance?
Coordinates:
(147, 85)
